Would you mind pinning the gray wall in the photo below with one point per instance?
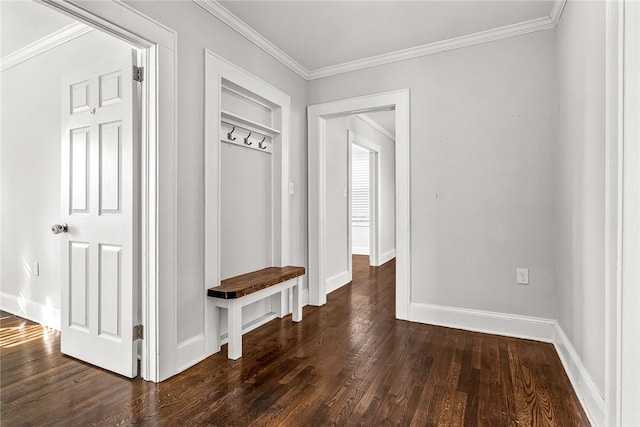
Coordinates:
(198, 30)
(482, 137)
(30, 167)
(337, 222)
(580, 191)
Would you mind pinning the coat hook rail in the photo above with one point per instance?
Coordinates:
(230, 134)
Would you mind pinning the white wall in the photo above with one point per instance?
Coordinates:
(30, 174)
(580, 197)
(196, 31)
(482, 138)
(337, 220)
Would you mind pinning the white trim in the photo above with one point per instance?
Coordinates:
(387, 256)
(44, 44)
(613, 209)
(337, 281)
(317, 116)
(189, 352)
(513, 30)
(556, 11)
(36, 312)
(235, 23)
(590, 398)
(488, 322)
(159, 204)
(368, 120)
(360, 250)
(629, 336)
(526, 327)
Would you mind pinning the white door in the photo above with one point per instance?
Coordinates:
(98, 251)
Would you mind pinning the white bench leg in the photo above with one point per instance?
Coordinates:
(235, 331)
(297, 301)
(216, 317)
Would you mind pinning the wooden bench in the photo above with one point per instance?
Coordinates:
(236, 292)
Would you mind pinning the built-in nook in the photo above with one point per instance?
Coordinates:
(246, 204)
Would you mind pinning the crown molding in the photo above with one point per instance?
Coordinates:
(513, 30)
(556, 11)
(539, 24)
(368, 120)
(44, 44)
(235, 23)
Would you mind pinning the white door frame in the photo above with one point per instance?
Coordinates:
(217, 69)
(157, 171)
(317, 117)
(374, 198)
(629, 368)
(622, 221)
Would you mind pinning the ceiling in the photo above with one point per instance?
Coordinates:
(319, 34)
(24, 22)
(386, 119)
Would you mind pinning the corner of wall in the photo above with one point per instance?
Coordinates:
(584, 386)
(43, 314)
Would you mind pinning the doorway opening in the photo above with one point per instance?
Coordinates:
(121, 25)
(327, 188)
(362, 200)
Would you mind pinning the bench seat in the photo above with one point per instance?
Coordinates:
(239, 291)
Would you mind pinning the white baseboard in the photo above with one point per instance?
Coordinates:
(360, 250)
(533, 328)
(305, 297)
(337, 281)
(387, 256)
(248, 327)
(589, 395)
(190, 351)
(34, 311)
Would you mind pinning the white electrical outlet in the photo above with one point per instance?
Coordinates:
(522, 276)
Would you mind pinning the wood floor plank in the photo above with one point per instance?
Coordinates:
(349, 362)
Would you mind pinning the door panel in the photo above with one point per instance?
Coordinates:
(98, 157)
(109, 282)
(79, 285)
(110, 161)
(79, 153)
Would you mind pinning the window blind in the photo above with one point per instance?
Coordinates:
(360, 187)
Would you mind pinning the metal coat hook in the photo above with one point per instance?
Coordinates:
(246, 140)
(230, 134)
(92, 110)
(261, 144)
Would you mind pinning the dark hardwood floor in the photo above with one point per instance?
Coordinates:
(348, 362)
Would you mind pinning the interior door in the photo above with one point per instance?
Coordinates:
(97, 225)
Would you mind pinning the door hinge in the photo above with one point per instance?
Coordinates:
(138, 73)
(138, 332)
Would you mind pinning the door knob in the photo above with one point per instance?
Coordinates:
(59, 228)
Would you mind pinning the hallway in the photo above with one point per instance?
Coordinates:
(348, 362)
